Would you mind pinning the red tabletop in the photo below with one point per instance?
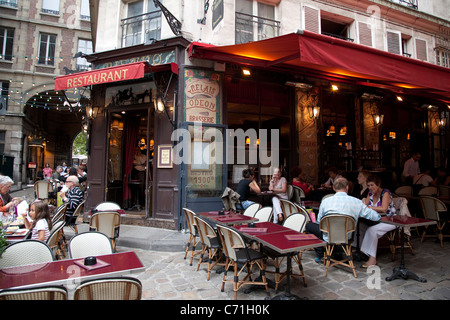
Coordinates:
(19, 235)
(280, 243)
(67, 272)
(228, 218)
(260, 228)
(405, 221)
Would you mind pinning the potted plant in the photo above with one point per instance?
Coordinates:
(3, 242)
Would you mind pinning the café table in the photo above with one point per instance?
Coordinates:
(404, 222)
(70, 272)
(284, 241)
(19, 235)
(228, 218)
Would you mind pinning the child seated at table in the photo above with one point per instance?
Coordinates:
(41, 222)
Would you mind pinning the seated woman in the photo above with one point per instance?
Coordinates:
(278, 185)
(361, 191)
(297, 180)
(245, 186)
(380, 200)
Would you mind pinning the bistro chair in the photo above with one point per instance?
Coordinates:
(251, 210)
(287, 207)
(25, 252)
(444, 192)
(90, 243)
(432, 208)
(404, 191)
(120, 288)
(194, 237)
(241, 258)
(60, 213)
(35, 293)
(73, 220)
(55, 240)
(299, 195)
(211, 245)
(338, 227)
(264, 214)
(428, 191)
(42, 189)
(290, 191)
(106, 206)
(107, 222)
(296, 221)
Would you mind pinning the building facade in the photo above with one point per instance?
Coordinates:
(38, 41)
(329, 83)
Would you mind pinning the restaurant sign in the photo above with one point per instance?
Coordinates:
(202, 96)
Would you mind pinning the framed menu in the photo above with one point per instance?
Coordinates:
(165, 156)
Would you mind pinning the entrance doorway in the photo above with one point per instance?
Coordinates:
(130, 160)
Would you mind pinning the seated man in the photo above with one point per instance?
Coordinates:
(74, 196)
(340, 203)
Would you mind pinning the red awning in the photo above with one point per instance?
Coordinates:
(322, 55)
(123, 72)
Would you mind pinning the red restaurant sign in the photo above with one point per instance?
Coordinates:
(118, 73)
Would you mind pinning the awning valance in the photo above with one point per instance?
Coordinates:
(123, 72)
(322, 55)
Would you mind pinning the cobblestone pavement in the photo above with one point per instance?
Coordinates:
(169, 276)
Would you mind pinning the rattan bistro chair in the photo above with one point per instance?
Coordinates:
(55, 240)
(60, 213)
(72, 222)
(251, 210)
(432, 208)
(241, 258)
(288, 207)
(42, 189)
(404, 191)
(35, 293)
(194, 237)
(107, 222)
(90, 243)
(428, 191)
(338, 227)
(264, 214)
(211, 245)
(25, 252)
(120, 288)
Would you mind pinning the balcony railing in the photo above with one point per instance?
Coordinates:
(141, 29)
(253, 28)
(414, 4)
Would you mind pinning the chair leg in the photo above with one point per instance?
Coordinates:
(187, 246)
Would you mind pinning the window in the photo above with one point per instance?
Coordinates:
(143, 23)
(6, 43)
(394, 42)
(47, 45)
(443, 57)
(2, 141)
(85, 13)
(255, 21)
(365, 34)
(84, 46)
(50, 6)
(4, 92)
(9, 3)
(421, 50)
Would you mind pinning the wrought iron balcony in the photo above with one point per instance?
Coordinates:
(253, 28)
(141, 29)
(413, 4)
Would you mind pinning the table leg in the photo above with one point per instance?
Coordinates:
(402, 272)
(287, 294)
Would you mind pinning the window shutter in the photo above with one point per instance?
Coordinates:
(312, 19)
(365, 34)
(393, 42)
(421, 50)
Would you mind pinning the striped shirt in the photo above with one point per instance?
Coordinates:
(41, 224)
(342, 203)
(75, 196)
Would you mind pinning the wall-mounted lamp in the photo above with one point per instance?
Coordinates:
(441, 120)
(159, 105)
(378, 119)
(313, 111)
(246, 72)
(92, 112)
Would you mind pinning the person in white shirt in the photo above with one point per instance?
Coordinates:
(423, 178)
(411, 168)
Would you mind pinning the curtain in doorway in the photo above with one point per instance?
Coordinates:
(131, 128)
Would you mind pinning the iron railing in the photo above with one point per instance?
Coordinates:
(253, 28)
(141, 29)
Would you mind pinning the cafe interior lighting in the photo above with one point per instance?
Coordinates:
(334, 87)
(399, 98)
(378, 119)
(343, 131)
(392, 135)
(159, 106)
(246, 72)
